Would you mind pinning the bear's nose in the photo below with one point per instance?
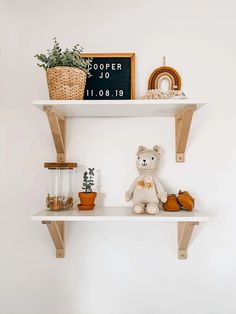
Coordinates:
(144, 160)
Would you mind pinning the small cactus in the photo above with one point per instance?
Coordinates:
(88, 180)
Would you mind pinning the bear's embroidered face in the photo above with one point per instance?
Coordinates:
(148, 159)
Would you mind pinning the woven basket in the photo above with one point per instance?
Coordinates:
(66, 83)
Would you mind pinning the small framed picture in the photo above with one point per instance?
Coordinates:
(112, 76)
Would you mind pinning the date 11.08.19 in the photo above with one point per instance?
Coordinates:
(106, 93)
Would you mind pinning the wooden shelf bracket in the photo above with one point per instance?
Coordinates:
(183, 121)
(185, 230)
(57, 124)
(56, 230)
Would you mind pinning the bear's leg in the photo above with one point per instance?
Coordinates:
(139, 208)
(152, 208)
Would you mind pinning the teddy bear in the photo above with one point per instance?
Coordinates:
(146, 190)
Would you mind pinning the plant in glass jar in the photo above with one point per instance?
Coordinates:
(87, 198)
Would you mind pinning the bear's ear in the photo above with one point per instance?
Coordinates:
(141, 149)
(157, 149)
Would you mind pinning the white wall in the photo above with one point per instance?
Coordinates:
(119, 268)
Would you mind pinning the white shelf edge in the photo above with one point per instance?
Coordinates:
(186, 101)
(118, 214)
(119, 108)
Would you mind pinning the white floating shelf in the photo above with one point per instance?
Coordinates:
(119, 108)
(119, 214)
(55, 222)
(181, 109)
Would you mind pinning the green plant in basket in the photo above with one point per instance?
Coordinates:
(66, 71)
(68, 57)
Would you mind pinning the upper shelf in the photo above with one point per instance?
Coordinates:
(118, 214)
(119, 108)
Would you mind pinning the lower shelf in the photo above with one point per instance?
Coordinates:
(55, 222)
(117, 214)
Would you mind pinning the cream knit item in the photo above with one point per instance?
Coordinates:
(146, 190)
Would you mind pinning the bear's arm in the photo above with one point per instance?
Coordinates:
(133, 185)
(160, 191)
(130, 192)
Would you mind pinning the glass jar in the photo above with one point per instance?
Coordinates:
(60, 190)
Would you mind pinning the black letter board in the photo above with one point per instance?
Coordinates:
(112, 76)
